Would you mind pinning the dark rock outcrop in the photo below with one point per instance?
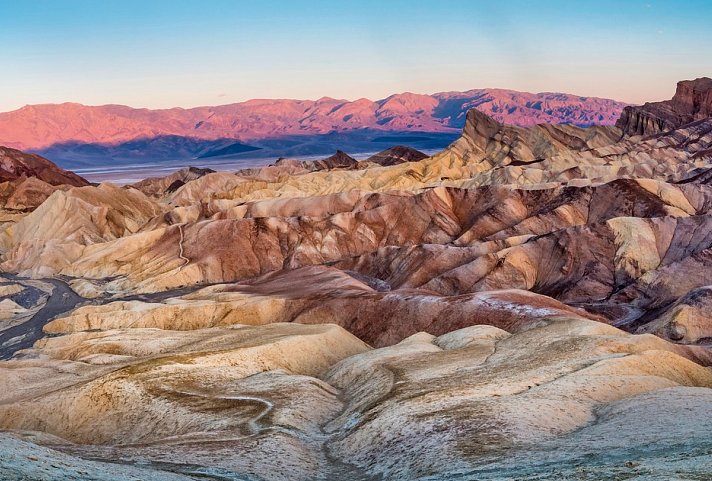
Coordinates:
(692, 101)
(340, 160)
(15, 164)
(397, 155)
(156, 186)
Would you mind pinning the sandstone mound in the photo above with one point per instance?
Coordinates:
(281, 169)
(59, 229)
(23, 459)
(317, 295)
(140, 395)
(230, 400)
(284, 168)
(497, 394)
(237, 396)
(194, 191)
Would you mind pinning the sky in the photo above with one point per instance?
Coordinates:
(161, 53)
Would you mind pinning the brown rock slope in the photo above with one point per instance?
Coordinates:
(15, 164)
(26, 180)
(687, 320)
(318, 295)
(158, 186)
(25, 193)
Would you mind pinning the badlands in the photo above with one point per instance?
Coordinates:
(530, 303)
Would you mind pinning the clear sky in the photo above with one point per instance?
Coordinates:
(166, 53)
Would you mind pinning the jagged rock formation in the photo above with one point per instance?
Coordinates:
(692, 102)
(492, 153)
(687, 320)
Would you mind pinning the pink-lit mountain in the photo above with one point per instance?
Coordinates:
(38, 127)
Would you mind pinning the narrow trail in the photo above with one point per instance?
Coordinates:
(253, 424)
(186, 261)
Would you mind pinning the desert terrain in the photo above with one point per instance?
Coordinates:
(528, 303)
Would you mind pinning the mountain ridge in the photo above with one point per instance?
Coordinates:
(37, 127)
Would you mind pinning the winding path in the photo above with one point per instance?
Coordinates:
(253, 424)
(186, 261)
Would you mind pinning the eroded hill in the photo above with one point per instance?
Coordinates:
(530, 303)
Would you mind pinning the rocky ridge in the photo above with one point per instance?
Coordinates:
(27, 180)
(692, 102)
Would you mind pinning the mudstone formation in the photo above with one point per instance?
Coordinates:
(530, 303)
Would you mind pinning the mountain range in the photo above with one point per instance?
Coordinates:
(76, 135)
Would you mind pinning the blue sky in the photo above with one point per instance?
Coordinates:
(187, 53)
